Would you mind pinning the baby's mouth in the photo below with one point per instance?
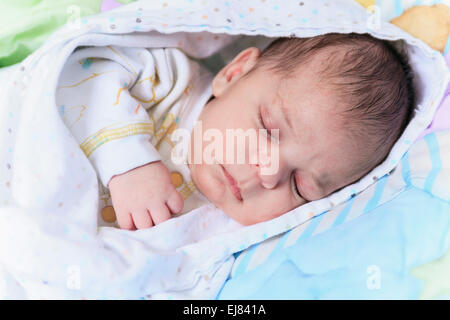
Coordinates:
(232, 184)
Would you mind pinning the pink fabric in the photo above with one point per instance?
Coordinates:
(109, 4)
(441, 120)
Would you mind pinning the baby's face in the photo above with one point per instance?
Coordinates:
(314, 154)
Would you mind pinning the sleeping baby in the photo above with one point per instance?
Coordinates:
(326, 110)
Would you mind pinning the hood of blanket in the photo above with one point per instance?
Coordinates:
(203, 28)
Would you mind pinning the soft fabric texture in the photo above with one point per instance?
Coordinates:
(390, 242)
(122, 106)
(26, 24)
(441, 120)
(38, 19)
(50, 246)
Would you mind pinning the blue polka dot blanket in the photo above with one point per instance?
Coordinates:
(384, 236)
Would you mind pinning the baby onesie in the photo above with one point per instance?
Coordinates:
(122, 106)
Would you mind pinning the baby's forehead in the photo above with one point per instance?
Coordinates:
(309, 87)
(307, 107)
(318, 60)
(306, 89)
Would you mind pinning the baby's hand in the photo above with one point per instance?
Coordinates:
(144, 196)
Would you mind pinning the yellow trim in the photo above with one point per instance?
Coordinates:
(83, 108)
(146, 101)
(84, 80)
(137, 108)
(126, 61)
(169, 142)
(118, 95)
(191, 186)
(102, 136)
(119, 92)
(149, 78)
(167, 127)
(187, 189)
(185, 192)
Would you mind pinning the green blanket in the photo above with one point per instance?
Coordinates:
(26, 24)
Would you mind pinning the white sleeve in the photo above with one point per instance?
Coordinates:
(111, 125)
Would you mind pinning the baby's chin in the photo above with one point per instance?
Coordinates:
(208, 181)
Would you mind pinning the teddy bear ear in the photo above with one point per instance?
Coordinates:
(431, 24)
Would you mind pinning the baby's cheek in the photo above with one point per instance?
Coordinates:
(275, 205)
(208, 184)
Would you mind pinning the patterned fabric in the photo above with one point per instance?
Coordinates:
(49, 189)
(27, 24)
(122, 106)
(388, 10)
(392, 241)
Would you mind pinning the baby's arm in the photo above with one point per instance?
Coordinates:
(114, 129)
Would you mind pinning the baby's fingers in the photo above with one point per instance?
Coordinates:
(175, 202)
(124, 219)
(160, 213)
(142, 219)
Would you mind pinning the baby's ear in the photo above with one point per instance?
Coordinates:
(236, 69)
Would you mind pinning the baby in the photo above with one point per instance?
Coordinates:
(333, 105)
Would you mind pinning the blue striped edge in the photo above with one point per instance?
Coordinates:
(406, 170)
(379, 189)
(447, 46)
(343, 214)
(433, 147)
(242, 267)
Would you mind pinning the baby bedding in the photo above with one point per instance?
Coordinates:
(26, 24)
(392, 9)
(153, 93)
(50, 244)
(442, 115)
(394, 249)
(392, 241)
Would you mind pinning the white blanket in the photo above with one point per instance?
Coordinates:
(50, 245)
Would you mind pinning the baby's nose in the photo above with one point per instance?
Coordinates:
(267, 181)
(269, 184)
(268, 173)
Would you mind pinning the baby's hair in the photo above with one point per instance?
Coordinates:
(373, 79)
